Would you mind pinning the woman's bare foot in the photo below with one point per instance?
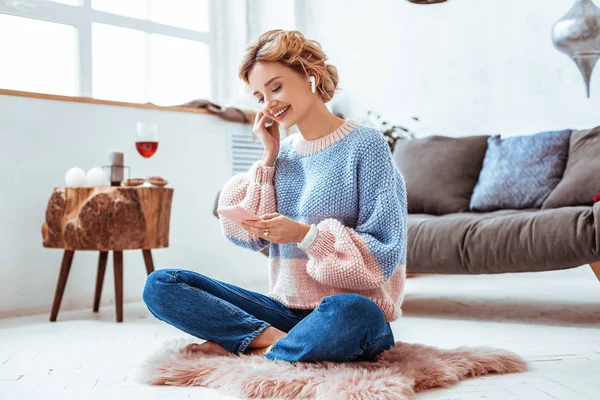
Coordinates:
(208, 347)
(259, 351)
(267, 338)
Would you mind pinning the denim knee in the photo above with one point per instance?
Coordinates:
(355, 304)
(155, 287)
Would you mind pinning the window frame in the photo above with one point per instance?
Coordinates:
(82, 17)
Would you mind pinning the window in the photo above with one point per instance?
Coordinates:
(118, 63)
(128, 8)
(44, 62)
(156, 51)
(184, 13)
(177, 63)
(69, 2)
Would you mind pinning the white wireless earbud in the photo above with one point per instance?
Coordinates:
(312, 84)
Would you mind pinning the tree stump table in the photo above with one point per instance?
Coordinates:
(106, 219)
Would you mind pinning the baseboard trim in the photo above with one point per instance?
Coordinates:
(107, 305)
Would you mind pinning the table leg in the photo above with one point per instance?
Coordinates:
(100, 279)
(65, 268)
(148, 261)
(118, 266)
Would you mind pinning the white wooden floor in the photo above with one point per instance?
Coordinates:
(552, 319)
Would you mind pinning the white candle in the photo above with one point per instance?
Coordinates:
(96, 177)
(116, 159)
(75, 177)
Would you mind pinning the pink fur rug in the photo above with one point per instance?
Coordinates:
(397, 374)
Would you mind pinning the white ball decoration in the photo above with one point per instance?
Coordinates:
(75, 177)
(96, 177)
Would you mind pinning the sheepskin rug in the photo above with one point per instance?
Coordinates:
(397, 374)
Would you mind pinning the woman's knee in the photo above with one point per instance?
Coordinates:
(156, 289)
(354, 304)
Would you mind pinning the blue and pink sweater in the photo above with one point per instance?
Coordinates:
(348, 187)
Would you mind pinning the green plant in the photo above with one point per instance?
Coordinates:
(391, 132)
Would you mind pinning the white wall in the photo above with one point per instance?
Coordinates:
(464, 67)
(41, 139)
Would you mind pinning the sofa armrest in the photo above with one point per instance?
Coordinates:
(596, 214)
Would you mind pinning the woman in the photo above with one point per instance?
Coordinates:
(333, 211)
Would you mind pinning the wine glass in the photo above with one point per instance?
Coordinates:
(147, 141)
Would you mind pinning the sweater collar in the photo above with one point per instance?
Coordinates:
(308, 147)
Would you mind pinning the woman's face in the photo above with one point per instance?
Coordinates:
(284, 94)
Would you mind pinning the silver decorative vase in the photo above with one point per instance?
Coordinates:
(577, 34)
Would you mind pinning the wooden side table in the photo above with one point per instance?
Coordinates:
(106, 219)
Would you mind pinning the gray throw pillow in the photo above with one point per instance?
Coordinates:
(440, 172)
(520, 171)
(581, 180)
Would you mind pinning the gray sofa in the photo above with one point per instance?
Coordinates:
(445, 237)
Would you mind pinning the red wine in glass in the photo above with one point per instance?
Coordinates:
(146, 149)
(146, 141)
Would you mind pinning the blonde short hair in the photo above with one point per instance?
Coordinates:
(292, 49)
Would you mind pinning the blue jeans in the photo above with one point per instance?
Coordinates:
(344, 327)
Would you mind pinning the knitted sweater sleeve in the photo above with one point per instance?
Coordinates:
(253, 190)
(366, 256)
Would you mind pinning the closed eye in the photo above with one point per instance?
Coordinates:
(273, 90)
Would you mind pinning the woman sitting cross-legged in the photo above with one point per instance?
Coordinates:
(333, 210)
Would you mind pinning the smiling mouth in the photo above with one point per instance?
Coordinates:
(281, 112)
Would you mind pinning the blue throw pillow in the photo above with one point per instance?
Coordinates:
(520, 171)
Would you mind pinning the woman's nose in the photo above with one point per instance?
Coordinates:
(266, 110)
(269, 107)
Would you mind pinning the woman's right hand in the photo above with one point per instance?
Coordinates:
(269, 136)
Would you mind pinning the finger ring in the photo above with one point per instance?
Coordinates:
(266, 232)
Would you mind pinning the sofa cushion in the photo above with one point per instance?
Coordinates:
(440, 172)
(503, 241)
(520, 171)
(581, 180)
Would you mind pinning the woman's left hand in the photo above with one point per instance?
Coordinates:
(282, 229)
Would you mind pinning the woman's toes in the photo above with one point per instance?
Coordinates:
(208, 347)
(215, 348)
(191, 348)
